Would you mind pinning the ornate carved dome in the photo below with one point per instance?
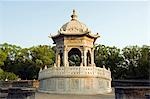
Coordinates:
(74, 26)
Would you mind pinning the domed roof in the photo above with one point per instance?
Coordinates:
(74, 26)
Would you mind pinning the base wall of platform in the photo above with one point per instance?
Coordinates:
(87, 85)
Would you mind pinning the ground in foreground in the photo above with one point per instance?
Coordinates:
(39, 95)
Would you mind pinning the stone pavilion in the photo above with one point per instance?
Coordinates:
(74, 71)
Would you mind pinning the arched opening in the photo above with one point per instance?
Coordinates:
(88, 58)
(74, 57)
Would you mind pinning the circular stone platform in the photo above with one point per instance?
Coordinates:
(75, 80)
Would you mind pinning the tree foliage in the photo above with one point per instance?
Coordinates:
(131, 62)
(2, 57)
(7, 75)
(25, 62)
(42, 55)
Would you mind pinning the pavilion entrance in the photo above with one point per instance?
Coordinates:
(74, 57)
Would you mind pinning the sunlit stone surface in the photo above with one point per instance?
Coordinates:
(75, 77)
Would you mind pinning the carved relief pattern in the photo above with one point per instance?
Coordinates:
(61, 84)
(100, 83)
(88, 83)
(74, 84)
(74, 27)
(73, 41)
(50, 84)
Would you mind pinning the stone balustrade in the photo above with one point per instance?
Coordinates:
(75, 72)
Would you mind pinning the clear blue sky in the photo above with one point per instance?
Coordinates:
(119, 23)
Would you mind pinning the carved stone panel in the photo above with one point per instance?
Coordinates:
(72, 42)
(51, 84)
(74, 84)
(101, 83)
(61, 83)
(88, 83)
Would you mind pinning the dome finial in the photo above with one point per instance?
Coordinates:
(74, 15)
(74, 11)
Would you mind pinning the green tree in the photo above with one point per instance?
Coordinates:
(111, 58)
(25, 62)
(144, 63)
(43, 55)
(3, 57)
(138, 62)
(23, 65)
(10, 52)
(131, 55)
(7, 75)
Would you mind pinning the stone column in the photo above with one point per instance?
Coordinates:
(65, 55)
(92, 57)
(58, 59)
(82, 59)
(85, 56)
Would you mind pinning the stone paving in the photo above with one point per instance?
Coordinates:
(39, 95)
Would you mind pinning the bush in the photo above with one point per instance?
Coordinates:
(1, 71)
(7, 75)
